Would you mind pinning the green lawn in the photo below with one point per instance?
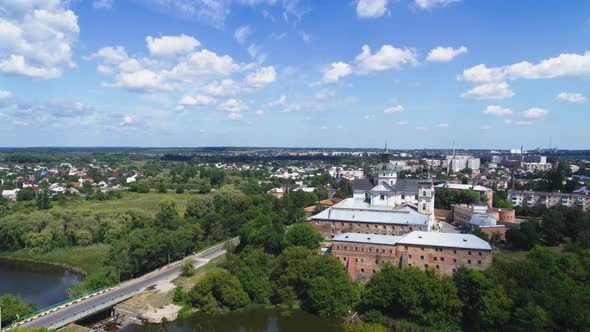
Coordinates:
(148, 202)
(89, 259)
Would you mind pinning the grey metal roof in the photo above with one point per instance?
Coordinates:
(485, 220)
(355, 211)
(383, 187)
(367, 238)
(362, 184)
(447, 240)
(406, 185)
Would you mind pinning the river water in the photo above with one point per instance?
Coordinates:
(251, 320)
(36, 283)
(44, 285)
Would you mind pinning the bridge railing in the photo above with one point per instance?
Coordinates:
(40, 311)
(54, 307)
(94, 309)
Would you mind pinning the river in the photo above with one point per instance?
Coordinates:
(36, 283)
(45, 284)
(251, 320)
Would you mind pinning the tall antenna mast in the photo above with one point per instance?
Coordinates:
(453, 148)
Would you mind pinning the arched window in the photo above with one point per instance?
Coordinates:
(424, 193)
(424, 206)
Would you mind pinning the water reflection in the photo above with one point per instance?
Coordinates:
(39, 284)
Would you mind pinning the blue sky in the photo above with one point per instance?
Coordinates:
(414, 73)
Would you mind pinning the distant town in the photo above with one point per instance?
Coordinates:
(156, 230)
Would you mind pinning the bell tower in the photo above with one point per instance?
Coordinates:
(426, 196)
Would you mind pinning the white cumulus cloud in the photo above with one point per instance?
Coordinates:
(198, 101)
(336, 71)
(371, 8)
(388, 57)
(493, 90)
(497, 110)
(394, 109)
(171, 45)
(36, 38)
(233, 106)
(427, 4)
(262, 77)
(534, 113)
(571, 97)
(564, 65)
(5, 94)
(445, 54)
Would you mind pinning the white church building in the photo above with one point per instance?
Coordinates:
(386, 206)
(386, 190)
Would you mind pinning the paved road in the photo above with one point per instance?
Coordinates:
(117, 294)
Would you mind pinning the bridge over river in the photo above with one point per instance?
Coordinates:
(74, 310)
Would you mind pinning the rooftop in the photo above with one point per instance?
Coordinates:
(447, 240)
(356, 210)
(483, 220)
(367, 238)
(458, 186)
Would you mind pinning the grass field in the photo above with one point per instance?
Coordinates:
(87, 259)
(511, 255)
(148, 202)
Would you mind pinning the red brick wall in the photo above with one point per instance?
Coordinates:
(445, 215)
(362, 259)
(491, 230)
(330, 228)
(445, 260)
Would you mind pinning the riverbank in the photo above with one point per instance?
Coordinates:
(83, 260)
(157, 304)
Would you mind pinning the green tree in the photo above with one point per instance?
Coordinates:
(43, 199)
(530, 318)
(553, 227)
(12, 308)
(25, 194)
(199, 206)
(418, 296)
(218, 292)
(525, 236)
(162, 188)
(167, 217)
(303, 234)
(180, 189)
(319, 282)
(253, 268)
(486, 305)
(188, 270)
